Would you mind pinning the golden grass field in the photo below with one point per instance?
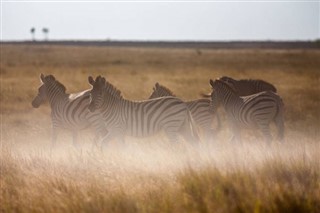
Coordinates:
(152, 175)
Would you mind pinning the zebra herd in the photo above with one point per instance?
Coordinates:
(247, 103)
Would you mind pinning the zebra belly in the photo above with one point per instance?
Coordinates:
(74, 126)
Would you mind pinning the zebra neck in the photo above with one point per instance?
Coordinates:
(229, 99)
(58, 101)
(56, 97)
(112, 105)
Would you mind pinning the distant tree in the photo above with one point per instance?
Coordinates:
(45, 32)
(33, 31)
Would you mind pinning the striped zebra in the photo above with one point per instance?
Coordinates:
(67, 111)
(140, 118)
(244, 87)
(256, 111)
(200, 110)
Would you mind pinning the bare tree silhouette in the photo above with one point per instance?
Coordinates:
(33, 31)
(45, 32)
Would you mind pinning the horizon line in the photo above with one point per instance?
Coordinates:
(159, 40)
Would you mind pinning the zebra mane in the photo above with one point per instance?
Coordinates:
(159, 87)
(254, 83)
(51, 79)
(226, 78)
(112, 90)
(109, 88)
(225, 85)
(256, 80)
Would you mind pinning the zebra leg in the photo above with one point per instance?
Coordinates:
(218, 128)
(95, 141)
(54, 136)
(96, 138)
(172, 136)
(209, 135)
(188, 136)
(189, 130)
(100, 131)
(279, 121)
(106, 138)
(265, 129)
(75, 138)
(236, 138)
(113, 133)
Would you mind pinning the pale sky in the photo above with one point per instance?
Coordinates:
(178, 20)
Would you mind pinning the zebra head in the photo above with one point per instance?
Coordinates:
(221, 92)
(96, 94)
(48, 84)
(230, 81)
(226, 79)
(42, 93)
(216, 94)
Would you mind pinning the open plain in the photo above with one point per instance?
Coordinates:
(150, 174)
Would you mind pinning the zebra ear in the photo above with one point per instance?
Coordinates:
(211, 82)
(98, 78)
(91, 81)
(157, 84)
(41, 77)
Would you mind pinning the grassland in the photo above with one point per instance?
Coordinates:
(151, 175)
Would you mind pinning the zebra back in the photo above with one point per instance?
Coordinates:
(246, 87)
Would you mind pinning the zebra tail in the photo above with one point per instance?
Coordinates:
(279, 120)
(205, 95)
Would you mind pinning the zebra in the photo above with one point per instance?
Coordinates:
(256, 111)
(200, 110)
(244, 87)
(68, 111)
(140, 118)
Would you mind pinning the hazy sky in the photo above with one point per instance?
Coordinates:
(236, 20)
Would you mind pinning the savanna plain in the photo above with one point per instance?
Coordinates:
(150, 174)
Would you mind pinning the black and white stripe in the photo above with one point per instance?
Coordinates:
(140, 118)
(68, 111)
(256, 111)
(245, 87)
(200, 110)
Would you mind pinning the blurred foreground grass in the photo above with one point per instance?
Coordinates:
(151, 178)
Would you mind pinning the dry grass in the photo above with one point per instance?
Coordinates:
(150, 175)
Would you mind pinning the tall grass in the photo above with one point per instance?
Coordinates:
(157, 178)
